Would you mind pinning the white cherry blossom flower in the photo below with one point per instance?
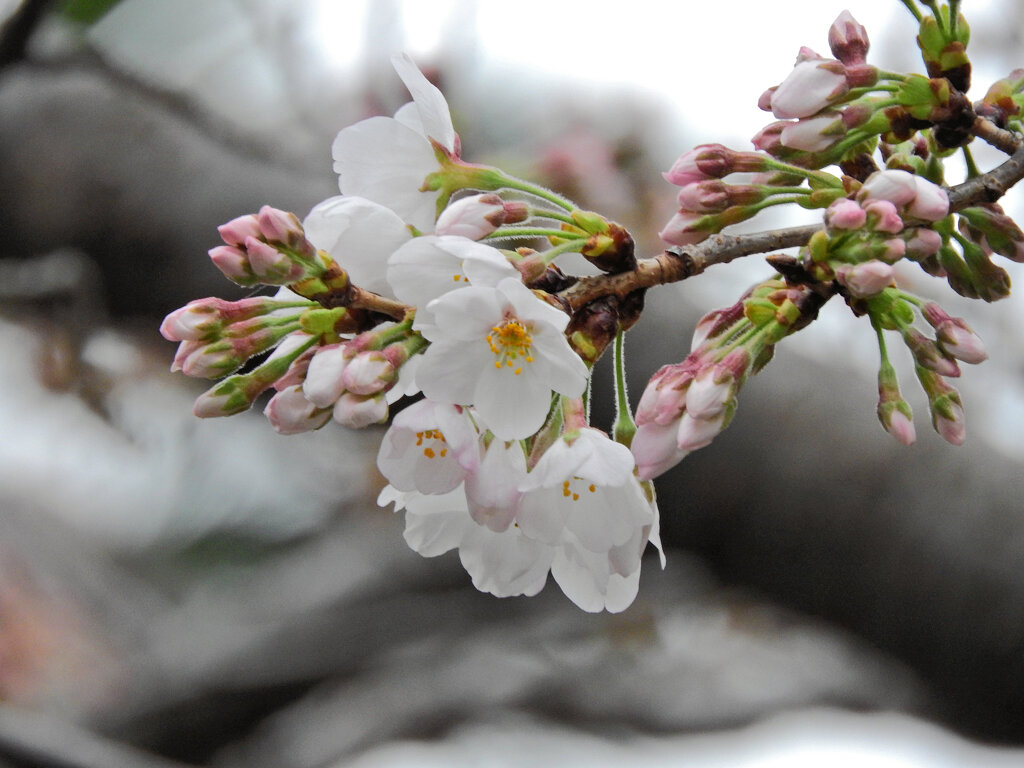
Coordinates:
(430, 447)
(426, 268)
(386, 159)
(503, 351)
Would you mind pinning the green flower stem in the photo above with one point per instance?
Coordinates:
(505, 233)
(572, 246)
(624, 427)
(511, 182)
(546, 213)
(912, 7)
(972, 168)
(821, 176)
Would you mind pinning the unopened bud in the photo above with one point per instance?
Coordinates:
(290, 413)
(358, 411)
(865, 280)
(237, 230)
(234, 263)
(848, 40)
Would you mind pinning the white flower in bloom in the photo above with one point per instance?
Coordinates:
(430, 447)
(360, 235)
(387, 159)
(584, 484)
(504, 563)
(503, 351)
(428, 267)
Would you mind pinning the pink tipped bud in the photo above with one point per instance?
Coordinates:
(883, 216)
(680, 229)
(324, 383)
(845, 214)
(948, 421)
(894, 250)
(664, 397)
(655, 450)
(710, 196)
(923, 243)
(709, 392)
(956, 339)
(897, 423)
(234, 263)
(358, 411)
(210, 406)
(290, 413)
(764, 102)
(697, 433)
(712, 161)
(271, 265)
(809, 88)
(769, 138)
(928, 354)
(279, 226)
(865, 280)
(237, 230)
(848, 40)
(473, 217)
(203, 319)
(185, 350)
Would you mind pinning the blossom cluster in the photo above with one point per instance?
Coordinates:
(394, 289)
(430, 291)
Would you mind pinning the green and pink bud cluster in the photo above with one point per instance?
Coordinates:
(686, 405)
(707, 204)
(935, 360)
(268, 247)
(866, 234)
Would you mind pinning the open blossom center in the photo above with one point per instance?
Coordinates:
(433, 443)
(570, 488)
(509, 341)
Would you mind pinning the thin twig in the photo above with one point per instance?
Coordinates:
(677, 264)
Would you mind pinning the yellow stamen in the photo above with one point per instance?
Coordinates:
(511, 341)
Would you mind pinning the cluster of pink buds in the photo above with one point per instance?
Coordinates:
(686, 405)
(268, 247)
(353, 381)
(865, 235)
(935, 360)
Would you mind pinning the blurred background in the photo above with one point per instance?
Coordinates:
(185, 592)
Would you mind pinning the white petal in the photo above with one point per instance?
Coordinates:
(384, 161)
(436, 524)
(506, 563)
(492, 491)
(430, 102)
(449, 371)
(514, 407)
(360, 235)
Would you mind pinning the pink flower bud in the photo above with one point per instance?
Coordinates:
(845, 214)
(210, 406)
(185, 350)
(290, 413)
(234, 263)
(928, 354)
(697, 433)
(710, 196)
(897, 423)
(664, 397)
(237, 230)
(950, 425)
(809, 88)
(711, 161)
(358, 411)
(764, 102)
(923, 242)
(954, 336)
(813, 134)
(473, 217)
(883, 216)
(769, 138)
(324, 383)
(679, 229)
(848, 40)
(865, 280)
(655, 450)
(709, 392)
(271, 265)
(279, 226)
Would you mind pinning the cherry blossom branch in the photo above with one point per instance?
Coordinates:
(680, 263)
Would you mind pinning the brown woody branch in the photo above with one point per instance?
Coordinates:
(675, 264)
